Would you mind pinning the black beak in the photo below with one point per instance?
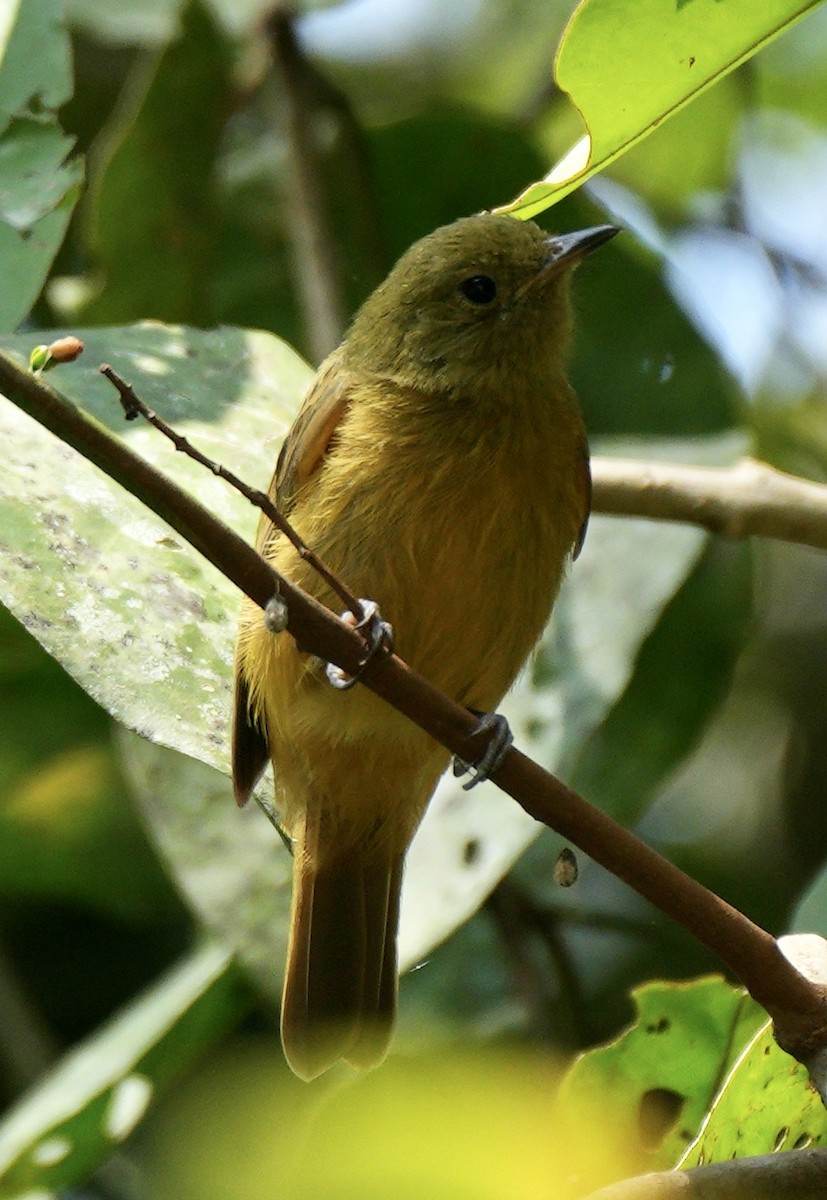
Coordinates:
(569, 248)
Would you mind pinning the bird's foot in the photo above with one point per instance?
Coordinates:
(378, 637)
(499, 740)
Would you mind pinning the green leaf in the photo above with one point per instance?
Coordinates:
(38, 187)
(661, 58)
(36, 70)
(141, 621)
(95, 1097)
(660, 1076)
(766, 1105)
(32, 183)
(691, 153)
(25, 258)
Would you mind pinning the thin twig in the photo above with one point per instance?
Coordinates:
(797, 1005)
(134, 406)
(749, 499)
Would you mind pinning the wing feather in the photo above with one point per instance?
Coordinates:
(302, 453)
(586, 497)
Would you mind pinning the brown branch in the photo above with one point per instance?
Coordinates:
(796, 1175)
(317, 276)
(749, 499)
(798, 1006)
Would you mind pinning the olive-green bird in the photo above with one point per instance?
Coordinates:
(439, 465)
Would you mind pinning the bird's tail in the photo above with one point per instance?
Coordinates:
(340, 984)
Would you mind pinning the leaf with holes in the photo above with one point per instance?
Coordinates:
(664, 1071)
(766, 1104)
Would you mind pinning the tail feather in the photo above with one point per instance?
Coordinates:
(381, 983)
(340, 987)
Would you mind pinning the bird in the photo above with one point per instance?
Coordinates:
(439, 465)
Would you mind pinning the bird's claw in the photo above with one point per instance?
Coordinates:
(378, 636)
(500, 739)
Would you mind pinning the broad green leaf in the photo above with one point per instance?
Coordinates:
(766, 1104)
(32, 152)
(36, 70)
(25, 258)
(143, 623)
(691, 153)
(93, 1099)
(38, 186)
(662, 56)
(661, 1075)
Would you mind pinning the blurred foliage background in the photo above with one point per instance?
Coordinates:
(230, 152)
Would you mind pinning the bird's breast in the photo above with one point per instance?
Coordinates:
(461, 541)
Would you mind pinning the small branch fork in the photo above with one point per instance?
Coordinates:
(795, 998)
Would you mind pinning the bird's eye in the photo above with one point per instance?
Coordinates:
(479, 289)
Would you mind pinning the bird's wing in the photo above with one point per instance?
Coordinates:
(302, 453)
(310, 435)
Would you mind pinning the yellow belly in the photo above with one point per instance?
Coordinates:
(463, 555)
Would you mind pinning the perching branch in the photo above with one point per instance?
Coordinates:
(749, 499)
(797, 1005)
